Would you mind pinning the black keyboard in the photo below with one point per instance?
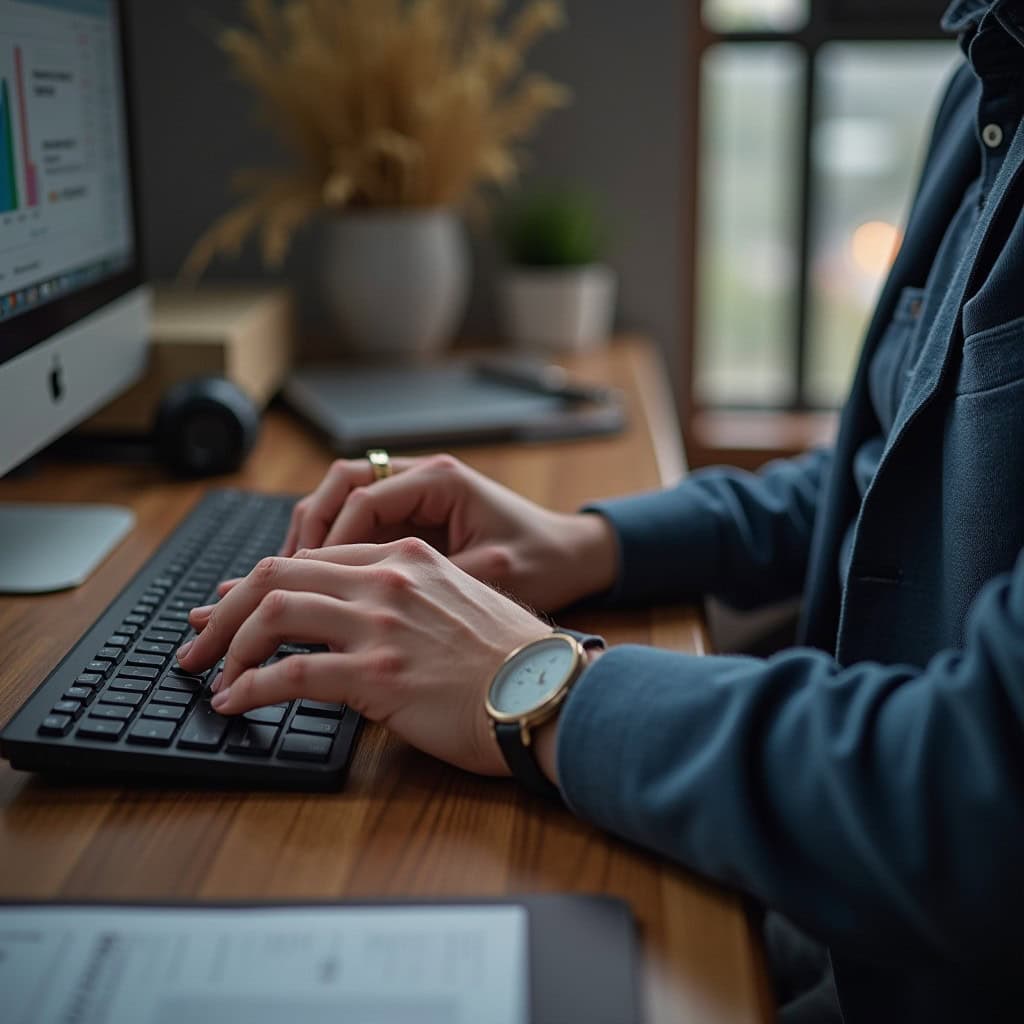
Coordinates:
(119, 705)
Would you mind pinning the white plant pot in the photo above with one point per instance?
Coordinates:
(395, 282)
(559, 309)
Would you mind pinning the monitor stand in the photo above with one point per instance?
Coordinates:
(51, 547)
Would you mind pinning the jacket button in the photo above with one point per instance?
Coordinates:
(992, 136)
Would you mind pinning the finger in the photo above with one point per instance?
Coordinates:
(423, 496)
(347, 554)
(226, 585)
(333, 678)
(291, 540)
(285, 616)
(323, 504)
(297, 574)
(198, 617)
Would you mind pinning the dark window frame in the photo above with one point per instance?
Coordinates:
(828, 22)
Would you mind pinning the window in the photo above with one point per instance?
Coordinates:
(812, 122)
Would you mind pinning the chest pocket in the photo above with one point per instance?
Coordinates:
(895, 357)
(992, 358)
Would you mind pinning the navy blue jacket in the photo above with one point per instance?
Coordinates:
(870, 783)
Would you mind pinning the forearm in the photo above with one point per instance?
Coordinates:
(741, 536)
(878, 806)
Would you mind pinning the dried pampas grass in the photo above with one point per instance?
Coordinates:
(386, 103)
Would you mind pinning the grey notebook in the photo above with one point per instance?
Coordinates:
(460, 402)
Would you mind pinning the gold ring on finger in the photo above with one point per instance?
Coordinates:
(380, 463)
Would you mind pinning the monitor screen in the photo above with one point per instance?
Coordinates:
(68, 240)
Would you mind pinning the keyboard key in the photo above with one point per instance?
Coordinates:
(246, 738)
(166, 712)
(68, 707)
(286, 650)
(299, 746)
(111, 654)
(114, 712)
(133, 672)
(174, 615)
(100, 729)
(146, 660)
(186, 684)
(119, 640)
(100, 668)
(131, 685)
(204, 730)
(316, 707)
(128, 629)
(136, 620)
(80, 693)
(175, 697)
(89, 679)
(267, 716)
(55, 725)
(151, 648)
(315, 726)
(114, 698)
(160, 636)
(176, 630)
(154, 734)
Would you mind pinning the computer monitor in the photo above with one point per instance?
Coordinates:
(73, 305)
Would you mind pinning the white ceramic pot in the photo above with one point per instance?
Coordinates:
(395, 282)
(559, 309)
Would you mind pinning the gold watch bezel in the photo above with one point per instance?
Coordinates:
(545, 711)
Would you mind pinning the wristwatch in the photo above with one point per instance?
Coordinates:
(528, 691)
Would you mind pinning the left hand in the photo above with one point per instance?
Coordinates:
(413, 643)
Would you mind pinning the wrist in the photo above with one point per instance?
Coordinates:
(594, 550)
(546, 737)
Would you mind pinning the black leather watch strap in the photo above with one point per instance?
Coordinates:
(590, 641)
(522, 762)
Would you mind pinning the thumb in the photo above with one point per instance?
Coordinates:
(489, 563)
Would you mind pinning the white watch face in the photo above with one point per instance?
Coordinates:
(533, 676)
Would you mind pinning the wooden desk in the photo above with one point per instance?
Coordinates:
(404, 824)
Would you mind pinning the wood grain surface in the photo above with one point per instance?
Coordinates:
(404, 825)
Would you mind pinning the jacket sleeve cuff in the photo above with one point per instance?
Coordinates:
(668, 548)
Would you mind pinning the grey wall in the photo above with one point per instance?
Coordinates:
(621, 138)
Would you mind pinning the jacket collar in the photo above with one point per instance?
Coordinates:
(964, 16)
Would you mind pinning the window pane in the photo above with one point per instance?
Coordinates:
(755, 15)
(874, 103)
(748, 249)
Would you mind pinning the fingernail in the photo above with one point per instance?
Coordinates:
(203, 609)
(185, 648)
(219, 701)
(218, 682)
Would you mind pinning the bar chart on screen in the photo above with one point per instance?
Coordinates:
(8, 170)
(63, 157)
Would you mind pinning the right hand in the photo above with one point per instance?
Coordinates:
(546, 559)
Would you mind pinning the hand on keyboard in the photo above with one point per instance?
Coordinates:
(413, 643)
(547, 559)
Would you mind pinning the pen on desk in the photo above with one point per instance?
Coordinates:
(547, 378)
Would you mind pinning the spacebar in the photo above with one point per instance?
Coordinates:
(204, 730)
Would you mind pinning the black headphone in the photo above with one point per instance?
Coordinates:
(205, 426)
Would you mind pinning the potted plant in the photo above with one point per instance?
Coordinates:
(398, 112)
(556, 294)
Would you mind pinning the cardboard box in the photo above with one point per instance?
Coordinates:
(240, 332)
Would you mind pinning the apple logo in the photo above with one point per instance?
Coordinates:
(57, 382)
